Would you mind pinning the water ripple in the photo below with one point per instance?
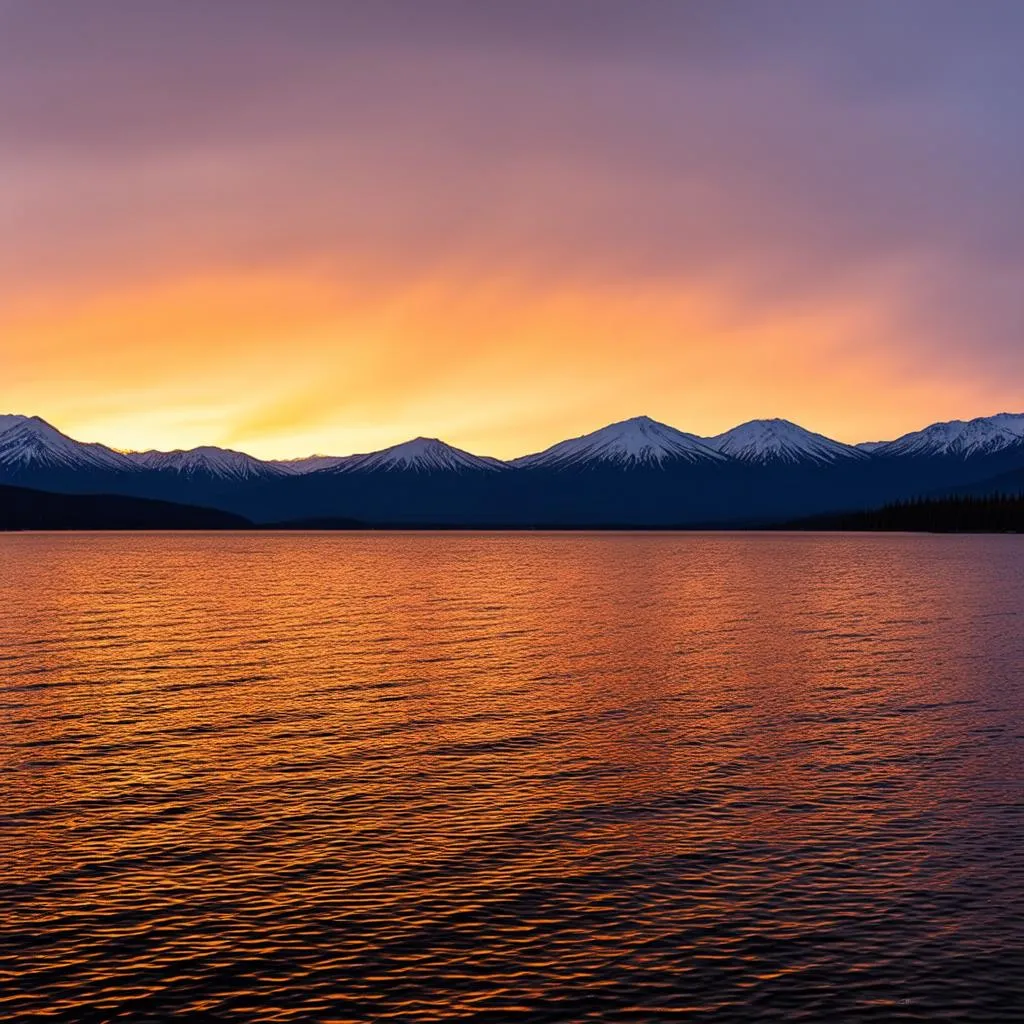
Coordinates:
(432, 778)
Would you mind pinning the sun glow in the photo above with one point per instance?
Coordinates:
(287, 363)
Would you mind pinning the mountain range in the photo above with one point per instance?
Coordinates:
(637, 472)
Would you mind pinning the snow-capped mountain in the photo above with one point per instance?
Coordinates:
(640, 441)
(310, 464)
(965, 438)
(421, 455)
(780, 441)
(207, 462)
(637, 472)
(28, 443)
(8, 420)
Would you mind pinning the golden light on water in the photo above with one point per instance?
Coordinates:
(358, 775)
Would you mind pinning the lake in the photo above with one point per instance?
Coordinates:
(436, 777)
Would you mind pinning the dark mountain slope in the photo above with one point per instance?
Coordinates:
(635, 472)
(933, 515)
(1011, 483)
(24, 509)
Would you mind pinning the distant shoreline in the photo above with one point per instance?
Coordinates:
(26, 510)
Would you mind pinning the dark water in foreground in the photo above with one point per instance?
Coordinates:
(511, 777)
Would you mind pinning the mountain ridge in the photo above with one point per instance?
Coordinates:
(633, 472)
(30, 439)
(206, 460)
(636, 441)
(639, 441)
(421, 455)
(779, 440)
(959, 437)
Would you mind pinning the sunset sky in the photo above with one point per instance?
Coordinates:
(290, 226)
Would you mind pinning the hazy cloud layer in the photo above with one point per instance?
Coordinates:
(865, 154)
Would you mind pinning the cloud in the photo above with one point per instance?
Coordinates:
(772, 157)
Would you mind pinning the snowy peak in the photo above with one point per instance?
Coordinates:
(421, 455)
(28, 442)
(981, 436)
(8, 420)
(632, 443)
(309, 464)
(780, 441)
(207, 462)
(29, 445)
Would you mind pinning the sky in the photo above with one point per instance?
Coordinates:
(289, 226)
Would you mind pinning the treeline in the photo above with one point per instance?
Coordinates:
(22, 508)
(1003, 513)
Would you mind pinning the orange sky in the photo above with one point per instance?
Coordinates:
(331, 228)
(285, 363)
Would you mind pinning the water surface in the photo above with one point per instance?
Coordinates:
(511, 777)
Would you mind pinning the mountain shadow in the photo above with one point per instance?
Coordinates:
(22, 508)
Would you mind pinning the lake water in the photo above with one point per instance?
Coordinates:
(522, 777)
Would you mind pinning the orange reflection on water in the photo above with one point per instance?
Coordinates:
(415, 774)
